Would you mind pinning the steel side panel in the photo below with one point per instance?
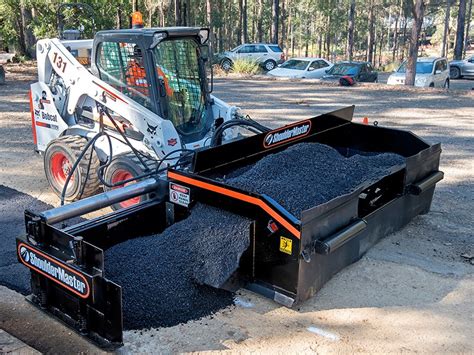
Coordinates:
(387, 219)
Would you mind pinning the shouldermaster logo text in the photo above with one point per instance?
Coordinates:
(286, 134)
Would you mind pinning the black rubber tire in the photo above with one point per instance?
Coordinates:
(226, 64)
(432, 85)
(269, 65)
(84, 182)
(454, 73)
(446, 84)
(128, 162)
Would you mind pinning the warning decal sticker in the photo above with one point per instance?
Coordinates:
(286, 245)
(179, 194)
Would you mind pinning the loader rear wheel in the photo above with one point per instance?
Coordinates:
(125, 167)
(59, 158)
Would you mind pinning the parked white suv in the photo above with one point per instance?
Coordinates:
(430, 72)
(267, 55)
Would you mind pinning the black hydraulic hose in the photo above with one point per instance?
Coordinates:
(76, 164)
(167, 156)
(148, 174)
(126, 139)
(217, 136)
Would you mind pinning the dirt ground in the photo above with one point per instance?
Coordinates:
(412, 292)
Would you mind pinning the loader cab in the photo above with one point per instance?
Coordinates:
(164, 70)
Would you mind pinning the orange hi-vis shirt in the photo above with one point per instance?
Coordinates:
(136, 77)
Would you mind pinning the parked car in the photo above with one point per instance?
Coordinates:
(314, 68)
(359, 71)
(266, 55)
(460, 68)
(430, 72)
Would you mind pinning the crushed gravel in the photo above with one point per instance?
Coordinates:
(162, 276)
(157, 272)
(308, 174)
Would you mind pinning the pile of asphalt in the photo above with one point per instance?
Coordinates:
(164, 277)
(13, 203)
(158, 273)
(309, 174)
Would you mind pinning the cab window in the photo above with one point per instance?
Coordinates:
(121, 65)
(179, 79)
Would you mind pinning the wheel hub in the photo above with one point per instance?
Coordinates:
(60, 168)
(122, 175)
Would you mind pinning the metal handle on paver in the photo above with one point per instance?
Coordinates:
(337, 240)
(423, 185)
(99, 201)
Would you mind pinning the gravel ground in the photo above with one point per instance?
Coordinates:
(412, 292)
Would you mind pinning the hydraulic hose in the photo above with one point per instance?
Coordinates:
(217, 135)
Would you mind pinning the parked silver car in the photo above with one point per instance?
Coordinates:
(267, 55)
(460, 68)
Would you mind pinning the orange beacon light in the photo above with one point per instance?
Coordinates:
(137, 19)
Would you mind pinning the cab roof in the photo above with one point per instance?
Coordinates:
(171, 31)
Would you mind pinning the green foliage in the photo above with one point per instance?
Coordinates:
(244, 66)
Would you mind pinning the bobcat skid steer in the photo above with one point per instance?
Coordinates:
(154, 85)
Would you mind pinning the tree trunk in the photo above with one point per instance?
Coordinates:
(28, 37)
(245, 36)
(395, 37)
(184, 14)
(320, 45)
(209, 22)
(405, 22)
(444, 49)
(418, 13)
(468, 24)
(289, 29)
(260, 21)
(328, 38)
(350, 31)
(189, 13)
(239, 27)
(283, 20)
(382, 38)
(134, 5)
(371, 37)
(458, 48)
(118, 18)
(275, 20)
(177, 12)
(254, 22)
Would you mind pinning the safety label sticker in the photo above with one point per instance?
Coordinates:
(179, 194)
(286, 245)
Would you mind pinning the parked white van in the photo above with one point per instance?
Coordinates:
(430, 72)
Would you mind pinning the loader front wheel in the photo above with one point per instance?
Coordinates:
(59, 158)
(125, 167)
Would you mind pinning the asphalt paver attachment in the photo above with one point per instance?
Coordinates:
(278, 213)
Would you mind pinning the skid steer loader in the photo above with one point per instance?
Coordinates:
(146, 90)
(159, 117)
